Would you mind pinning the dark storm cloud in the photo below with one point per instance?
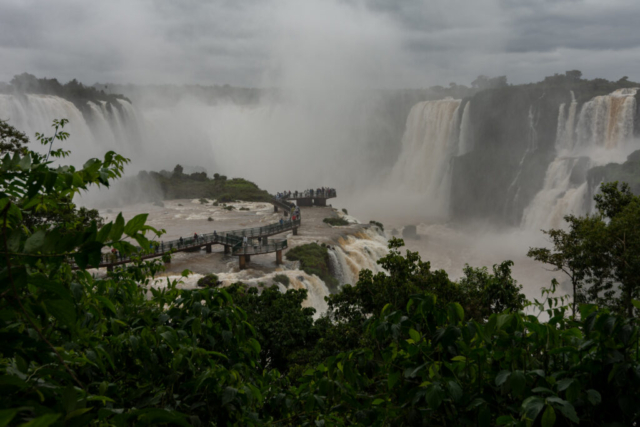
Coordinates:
(404, 43)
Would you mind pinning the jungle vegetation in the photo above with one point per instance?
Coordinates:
(405, 347)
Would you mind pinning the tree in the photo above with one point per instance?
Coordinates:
(84, 350)
(11, 139)
(178, 171)
(574, 75)
(600, 252)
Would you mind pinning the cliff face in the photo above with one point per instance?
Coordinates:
(518, 131)
(513, 131)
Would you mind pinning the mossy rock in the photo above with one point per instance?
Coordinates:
(210, 219)
(410, 232)
(229, 208)
(281, 278)
(335, 221)
(209, 281)
(377, 224)
(244, 209)
(314, 259)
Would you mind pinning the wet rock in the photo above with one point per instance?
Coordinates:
(410, 232)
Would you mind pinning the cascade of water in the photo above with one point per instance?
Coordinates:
(605, 125)
(105, 130)
(428, 145)
(465, 145)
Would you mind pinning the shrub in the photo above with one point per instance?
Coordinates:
(377, 224)
(203, 201)
(208, 281)
(314, 259)
(345, 211)
(281, 278)
(335, 221)
(229, 208)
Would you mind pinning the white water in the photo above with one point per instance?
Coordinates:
(108, 128)
(355, 253)
(430, 141)
(603, 134)
(466, 142)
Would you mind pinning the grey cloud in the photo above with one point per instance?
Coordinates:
(409, 43)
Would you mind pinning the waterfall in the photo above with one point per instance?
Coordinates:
(104, 128)
(605, 126)
(428, 146)
(355, 253)
(466, 143)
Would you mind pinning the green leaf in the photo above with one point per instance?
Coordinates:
(42, 421)
(549, 417)
(34, 242)
(104, 233)
(454, 389)
(594, 397)
(393, 379)
(6, 416)
(564, 384)
(377, 402)
(518, 381)
(118, 228)
(77, 413)
(228, 395)
(415, 335)
(135, 224)
(502, 377)
(569, 412)
(434, 396)
(63, 311)
(532, 407)
(105, 301)
(504, 420)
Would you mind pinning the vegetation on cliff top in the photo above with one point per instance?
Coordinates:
(178, 185)
(314, 259)
(73, 91)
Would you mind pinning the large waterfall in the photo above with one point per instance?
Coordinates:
(103, 127)
(500, 158)
(431, 139)
(603, 133)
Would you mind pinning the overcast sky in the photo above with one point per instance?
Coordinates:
(377, 43)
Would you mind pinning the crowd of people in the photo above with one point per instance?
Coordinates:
(324, 192)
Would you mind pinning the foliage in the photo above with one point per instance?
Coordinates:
(73, 91)
(344, 210)
(208, 281)
(314, 259)
(601, 252)
(282, 325)
(203, 201)
(335, 221)
(11, 139)
(281, 278)
(377, 224)
(81, 350)
(429, 365)
(397, 348)
(178, 185)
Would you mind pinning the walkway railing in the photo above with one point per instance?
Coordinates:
(232, 238)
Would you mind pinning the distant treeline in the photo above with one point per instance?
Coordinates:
(73, 91)
(179, 185)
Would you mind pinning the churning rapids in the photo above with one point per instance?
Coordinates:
(352, 248)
